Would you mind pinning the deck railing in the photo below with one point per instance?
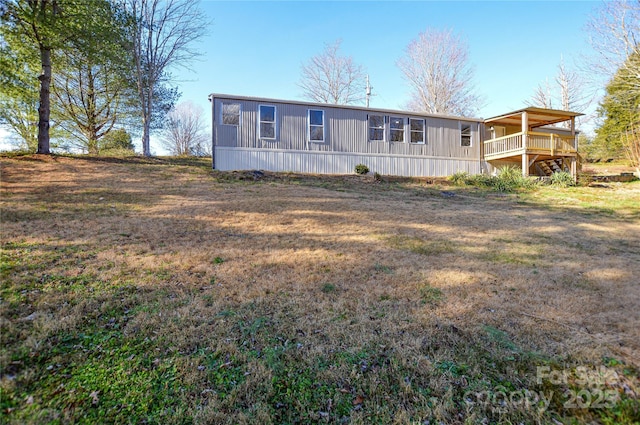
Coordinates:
(513, 144)
(505, 144)
(551, 142)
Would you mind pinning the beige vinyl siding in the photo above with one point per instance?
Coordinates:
(228, 159)
(346, 132)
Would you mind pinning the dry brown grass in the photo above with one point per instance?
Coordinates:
(207, 262)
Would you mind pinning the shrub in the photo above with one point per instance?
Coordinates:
(481, 180)
(460, 178)
(507, 180)
(117, 139)
(361, 169)
(562, 179)
(511, 178)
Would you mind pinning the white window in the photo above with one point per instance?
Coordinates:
(465, 135)
(396, 129)
(231, 113)
(376, 128)
(267, 121)
(416, 127)
(316, 125)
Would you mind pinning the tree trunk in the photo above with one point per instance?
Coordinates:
(92, 141)
(147, 102)
(146, 124)
(92, 114)
(44, 108)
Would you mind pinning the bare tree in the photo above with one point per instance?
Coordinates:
(568, 93)
(573, 93)
(184, 132)
(614, 34)
(164, 32)
(331, 78)
(436, 66)
(542, 96)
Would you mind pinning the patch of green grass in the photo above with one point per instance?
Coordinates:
(619, 200)
(98, 377)
(382, 268)
(328, 288)
(430, 295)
(451, 367)
(500, 338)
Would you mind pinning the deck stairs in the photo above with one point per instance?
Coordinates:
(550, 166)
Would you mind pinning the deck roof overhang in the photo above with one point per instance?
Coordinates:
(536, 117)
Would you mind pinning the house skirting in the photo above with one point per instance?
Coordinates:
(319, 162)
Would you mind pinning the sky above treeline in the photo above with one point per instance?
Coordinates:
(256, 48)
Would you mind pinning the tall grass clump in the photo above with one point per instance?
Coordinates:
(562, 179)
(459, 178)
(509, 179)
(481, 180)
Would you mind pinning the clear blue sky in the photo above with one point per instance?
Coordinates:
(256, 48)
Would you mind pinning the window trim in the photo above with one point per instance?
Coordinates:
(309, 125)
(222, 114)
(383, 128)
(470, 125)
(403, 129)
(423, 131)
(274, 122)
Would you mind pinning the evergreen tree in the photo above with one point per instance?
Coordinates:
(619, 134)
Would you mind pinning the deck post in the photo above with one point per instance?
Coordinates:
(525, 157)
(574, 168)
(525, 165)
(525, 129)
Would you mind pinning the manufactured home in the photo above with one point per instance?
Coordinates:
(278, 135)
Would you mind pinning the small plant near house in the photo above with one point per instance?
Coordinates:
(361, 169)
(377, 177)
(459, 178)
(562, 179)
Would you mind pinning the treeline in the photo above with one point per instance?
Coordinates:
(84, 75)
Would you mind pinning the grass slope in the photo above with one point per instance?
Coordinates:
(159, 291)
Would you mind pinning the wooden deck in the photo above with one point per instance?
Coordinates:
(530, 143)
